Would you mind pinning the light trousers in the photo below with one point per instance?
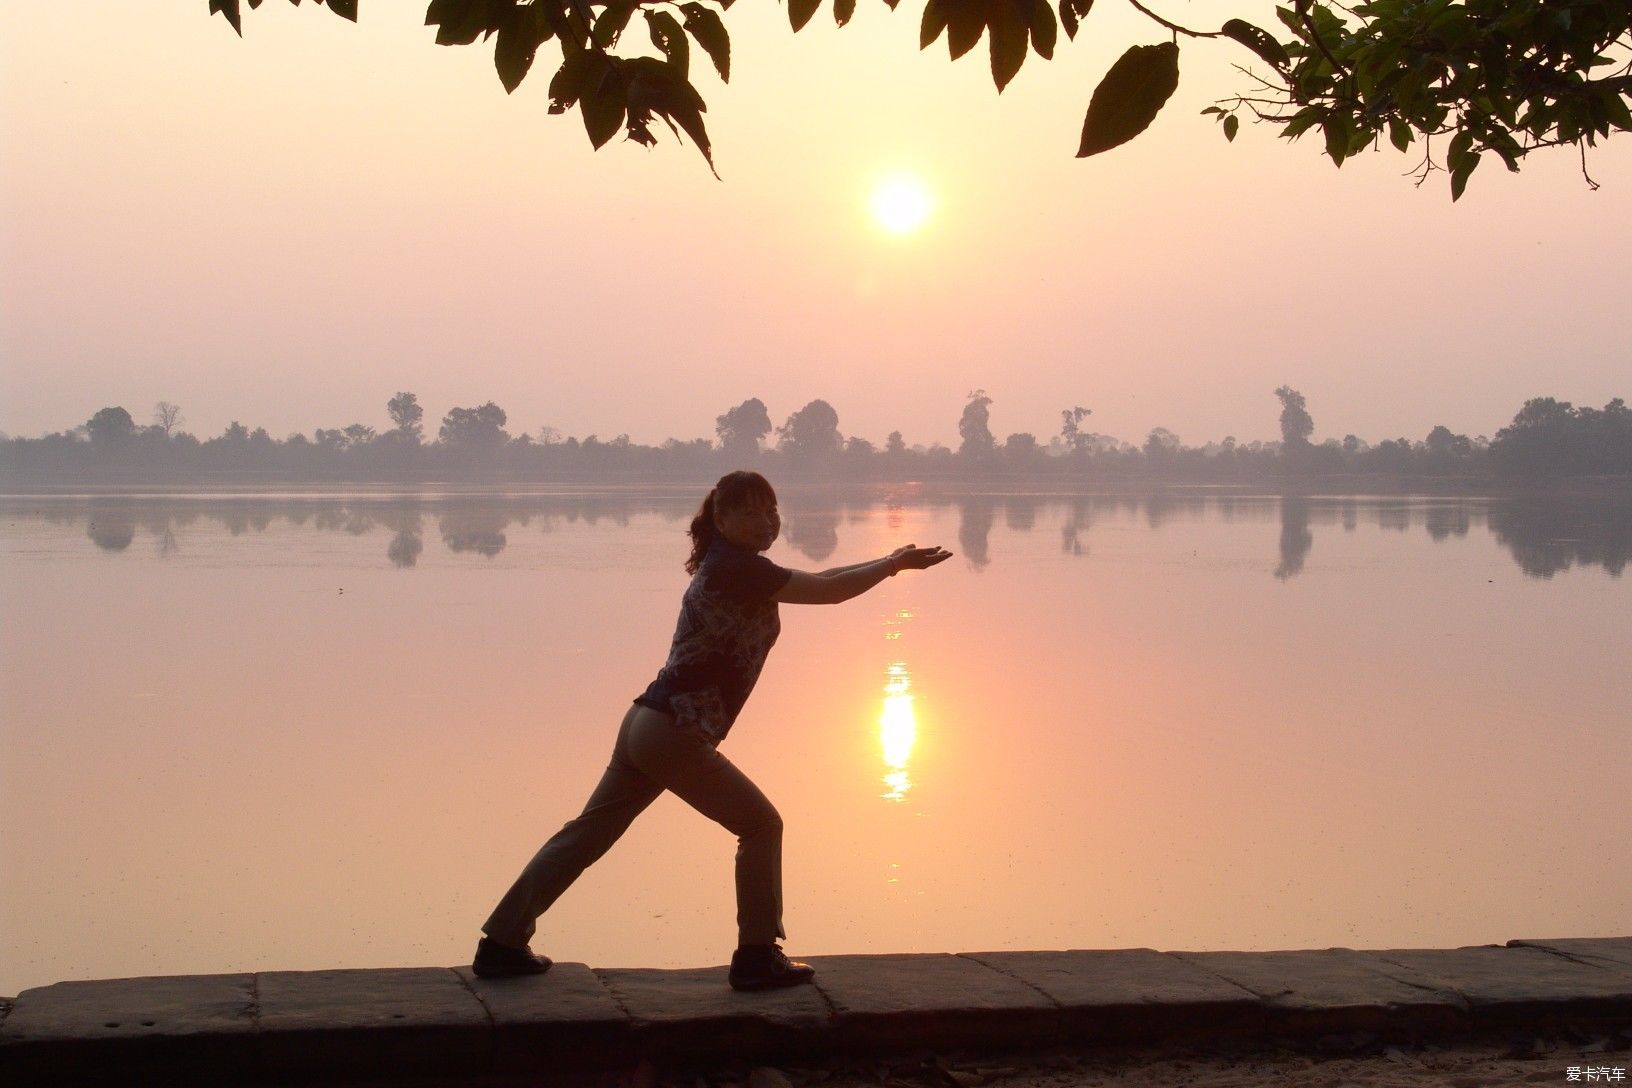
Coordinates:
(653, 754)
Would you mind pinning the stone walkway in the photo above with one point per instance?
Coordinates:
(289, 1026)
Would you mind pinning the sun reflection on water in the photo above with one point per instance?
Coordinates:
(897, 731)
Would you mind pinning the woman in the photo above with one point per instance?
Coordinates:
(728, 622)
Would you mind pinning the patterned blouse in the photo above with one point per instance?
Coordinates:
(728, 624)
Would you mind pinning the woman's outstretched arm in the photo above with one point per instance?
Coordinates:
(843, 583)
(831, 571)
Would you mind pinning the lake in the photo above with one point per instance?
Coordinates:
(292, 731)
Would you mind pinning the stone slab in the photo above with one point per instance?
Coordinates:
(931, 1000)
(1131, 994)
(565, 1018)
(1321, 991)
(190, 1027)
(694, 1014)
(384, 1022)
(1519, 984)
(1599, 950)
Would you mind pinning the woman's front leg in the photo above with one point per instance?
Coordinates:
(680, 760)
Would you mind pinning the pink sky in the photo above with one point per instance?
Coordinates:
(290, 228)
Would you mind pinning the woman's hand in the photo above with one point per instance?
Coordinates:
(912, 557)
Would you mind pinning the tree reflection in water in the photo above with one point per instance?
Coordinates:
(1544, 536)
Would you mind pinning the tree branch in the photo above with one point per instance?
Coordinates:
(1175, 27)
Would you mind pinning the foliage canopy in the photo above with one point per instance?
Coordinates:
(1497, 77)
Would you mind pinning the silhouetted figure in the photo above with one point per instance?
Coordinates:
(669, 738)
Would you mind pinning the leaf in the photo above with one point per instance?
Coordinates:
(1399, 133)
(671, 41)
(1071, 14)
(579, 71)
(965, 22)
(229, 8)
(603, 110)
(934, 22)
(1009, 45)
(654, 88)
(519, 39)
(1461, 173)
(843, 11)
(458, 22)
(610, 24)
(1044, 30)
(1258, 40)
(800, 11)
(346, 9)
(1338, 136)
(709, 31)
(1130, 96)
(1231, 124)
(1302, 121)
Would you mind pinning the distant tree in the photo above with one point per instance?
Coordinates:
(1553, 437)
(810, 433)
(110, 427)
(1352, 445)
(895, 445)
(474, 430)
(1161, 442)
(859, 448)
(1022, 450)
(548, 436)
(167, 416)
(1442, 442)
(1296, 424)
(742, 429)
(406, 417)
(974, 427)
(1071, 435)
(358, 434)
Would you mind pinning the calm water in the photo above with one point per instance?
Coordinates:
(300, 732)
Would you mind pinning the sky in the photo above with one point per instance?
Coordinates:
(290, 228)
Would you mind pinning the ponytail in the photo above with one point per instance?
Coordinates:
(734, 490)
(702, 532)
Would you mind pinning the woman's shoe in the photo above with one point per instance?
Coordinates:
(764, 967)
(495, 960)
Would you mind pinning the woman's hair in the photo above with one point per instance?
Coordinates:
(734, 491)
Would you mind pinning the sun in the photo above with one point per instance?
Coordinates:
(901, 204)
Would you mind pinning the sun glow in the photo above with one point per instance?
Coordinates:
(901, 204)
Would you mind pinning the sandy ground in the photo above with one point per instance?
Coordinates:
(1356, 1061)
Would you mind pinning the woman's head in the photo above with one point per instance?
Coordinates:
(742, 509)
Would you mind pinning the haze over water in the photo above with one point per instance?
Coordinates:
(325, 731)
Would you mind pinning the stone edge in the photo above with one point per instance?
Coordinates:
(996, 1027)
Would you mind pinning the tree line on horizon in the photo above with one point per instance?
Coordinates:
(1547, 437)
